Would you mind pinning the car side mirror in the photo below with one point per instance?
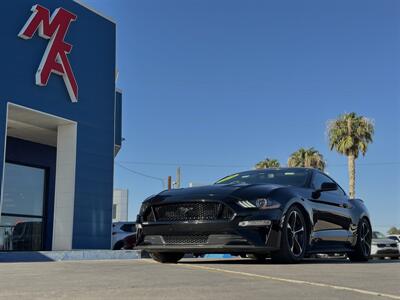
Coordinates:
(325, 187)
(328, 186)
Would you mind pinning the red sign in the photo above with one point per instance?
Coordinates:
(55, 58)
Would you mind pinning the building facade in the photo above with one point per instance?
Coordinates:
(120, 205)
(60, 126)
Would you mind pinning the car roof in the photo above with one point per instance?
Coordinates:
(286, 169)
(283, 169)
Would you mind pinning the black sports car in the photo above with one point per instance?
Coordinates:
(284, 213)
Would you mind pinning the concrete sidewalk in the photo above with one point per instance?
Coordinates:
(47, 256)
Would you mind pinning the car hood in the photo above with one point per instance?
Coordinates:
(218, 191)
(383, 241)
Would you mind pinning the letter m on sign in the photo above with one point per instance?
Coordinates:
(55, 59)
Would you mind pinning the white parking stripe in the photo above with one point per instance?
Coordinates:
(324, 285)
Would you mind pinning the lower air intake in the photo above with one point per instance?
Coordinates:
(185, 239)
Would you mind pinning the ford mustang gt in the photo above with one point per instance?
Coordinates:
(285, 213)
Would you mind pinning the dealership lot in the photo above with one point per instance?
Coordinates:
(200, 279)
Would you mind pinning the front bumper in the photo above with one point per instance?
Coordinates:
(214, 236)
(384, 251)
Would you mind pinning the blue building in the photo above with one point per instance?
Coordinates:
(60, 126)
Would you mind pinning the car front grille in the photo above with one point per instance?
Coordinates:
(197, 239)
(394, 245)
(190, 211)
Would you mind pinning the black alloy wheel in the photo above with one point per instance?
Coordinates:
(294, 238)
(366, 239)
(362, 250)
(296, 233)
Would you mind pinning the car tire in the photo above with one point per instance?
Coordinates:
(118, 245)
(395, 257)
(172, 258)
(294, 238)
(362, 249)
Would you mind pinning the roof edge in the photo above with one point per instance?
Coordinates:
(94, 11)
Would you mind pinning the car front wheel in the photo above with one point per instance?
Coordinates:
(166, 257)
(362, 250)
(294, 238)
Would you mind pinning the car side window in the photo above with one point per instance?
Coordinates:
(319, 179)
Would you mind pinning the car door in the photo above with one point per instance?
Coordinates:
(331, 213)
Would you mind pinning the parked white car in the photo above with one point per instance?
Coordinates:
(395, 237)
(384, 247)
(120, 230)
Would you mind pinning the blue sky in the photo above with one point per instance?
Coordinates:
(215, 86)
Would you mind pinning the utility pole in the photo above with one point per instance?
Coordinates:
(178, 178)
(169, 182)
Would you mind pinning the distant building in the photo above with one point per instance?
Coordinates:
(120, 205)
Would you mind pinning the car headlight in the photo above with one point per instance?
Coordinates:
(260, 203)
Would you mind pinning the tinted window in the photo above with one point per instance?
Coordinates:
(114, 211)
(23, 190)
(377, 235)
(293, 177)
(22, 212)
(20, 233)
(319, 179)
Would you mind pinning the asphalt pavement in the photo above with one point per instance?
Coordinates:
(200, 279)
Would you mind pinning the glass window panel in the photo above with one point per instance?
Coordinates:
(23, 190)
(114, 211)
(20, 233)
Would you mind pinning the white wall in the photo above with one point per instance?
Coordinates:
(120, 204)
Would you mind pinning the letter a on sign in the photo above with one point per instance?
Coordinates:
(55, 59)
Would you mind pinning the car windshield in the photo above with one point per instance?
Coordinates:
(378, 235)
(292, 177)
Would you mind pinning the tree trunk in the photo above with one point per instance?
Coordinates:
(352, 176)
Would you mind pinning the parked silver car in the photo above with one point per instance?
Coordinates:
(120, 230)
(383, 247)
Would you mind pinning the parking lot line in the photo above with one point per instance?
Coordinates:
(294, 281)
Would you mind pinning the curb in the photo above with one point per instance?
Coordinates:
(74, 255)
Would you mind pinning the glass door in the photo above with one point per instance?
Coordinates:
(22, 217)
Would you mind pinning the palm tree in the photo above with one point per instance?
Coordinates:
(309, 158)
(268, 163)
(349, 135)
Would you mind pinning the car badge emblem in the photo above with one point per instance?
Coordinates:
(185, 210)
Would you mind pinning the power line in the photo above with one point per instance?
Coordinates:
(120, 164)
(366, 164)
(182, 164)
(240, 166)
(141, 174)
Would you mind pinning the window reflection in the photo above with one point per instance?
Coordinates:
(21, 221)
(23, 190)
(20, 234)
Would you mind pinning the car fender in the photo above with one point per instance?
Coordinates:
(304, 206)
